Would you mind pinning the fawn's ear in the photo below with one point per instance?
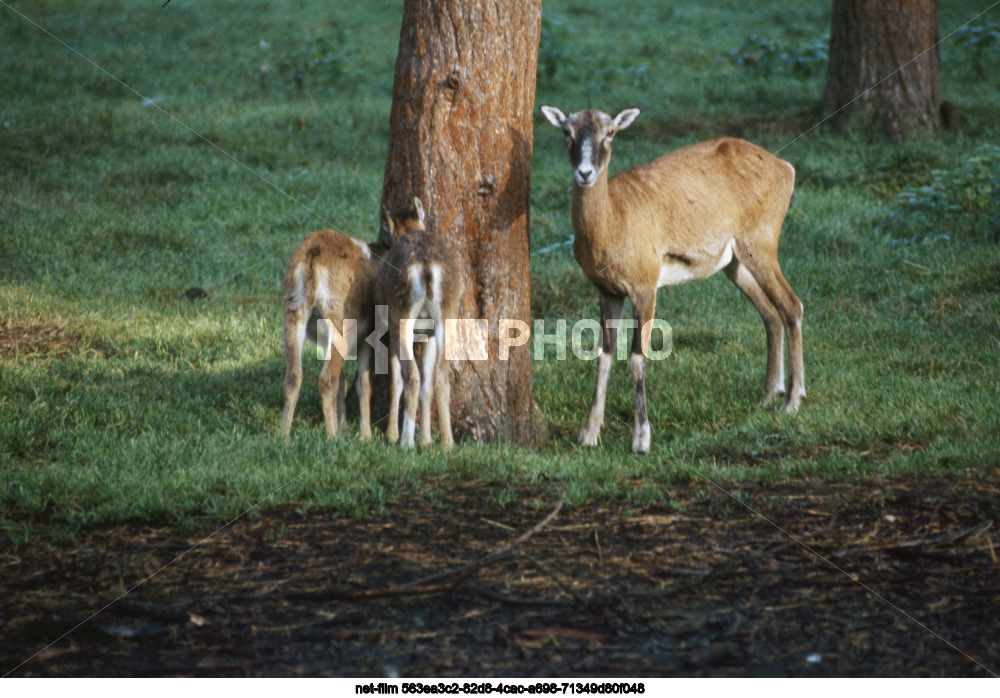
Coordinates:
(385, 222)
(385, 229)
(418, 208)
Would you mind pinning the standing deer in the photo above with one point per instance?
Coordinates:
(417, 281)
(684, 216)
(332, 277)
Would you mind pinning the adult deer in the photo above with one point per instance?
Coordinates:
(684, 216)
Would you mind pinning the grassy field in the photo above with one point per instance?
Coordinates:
(120, 399)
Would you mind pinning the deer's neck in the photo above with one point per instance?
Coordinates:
(591, 212)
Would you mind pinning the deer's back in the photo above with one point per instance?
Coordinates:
(422, 251)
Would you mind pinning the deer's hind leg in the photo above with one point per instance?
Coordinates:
(644, 309)
(295, 337)
(409, 381)
(331, 392)
(790, 310)
(774, 378)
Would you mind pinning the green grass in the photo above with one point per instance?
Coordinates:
(122, 400)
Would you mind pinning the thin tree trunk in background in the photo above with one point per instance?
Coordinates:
(460, 138)
(870, 40)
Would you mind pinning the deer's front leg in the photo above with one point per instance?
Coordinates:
(611, 315)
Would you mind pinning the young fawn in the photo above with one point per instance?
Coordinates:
(417, 281)
(330, 277)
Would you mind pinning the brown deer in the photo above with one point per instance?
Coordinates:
(711, 206)
(331, 278)
(417, 281)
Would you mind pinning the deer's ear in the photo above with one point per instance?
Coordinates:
(385, 230)
(385, 222)
(625, 118)
(418, 208)
(554, 116)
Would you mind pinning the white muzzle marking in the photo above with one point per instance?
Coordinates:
(585, 174)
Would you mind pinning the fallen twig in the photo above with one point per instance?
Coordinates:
(494, 596)
(466, 571)
(422, 586)
(931, 547)
(556, 578)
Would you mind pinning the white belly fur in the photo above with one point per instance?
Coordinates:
(674, 272)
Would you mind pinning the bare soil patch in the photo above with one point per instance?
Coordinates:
(27, 340)
(705, 589)
(42, 339)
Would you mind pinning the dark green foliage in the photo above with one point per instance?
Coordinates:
(978, 46)
(554, 50)
(964, 198)
(313, 63)
(773, 58)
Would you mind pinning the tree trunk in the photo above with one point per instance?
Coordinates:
(460, 137)
(884, 53)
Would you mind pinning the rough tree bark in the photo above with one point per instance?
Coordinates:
(870, 40)
(460, 138)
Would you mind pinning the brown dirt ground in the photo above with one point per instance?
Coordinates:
(703, 589)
